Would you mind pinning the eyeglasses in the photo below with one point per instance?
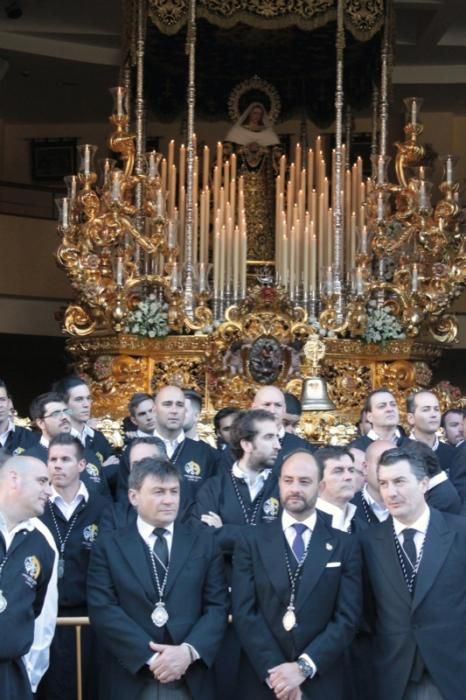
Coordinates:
(58, 413)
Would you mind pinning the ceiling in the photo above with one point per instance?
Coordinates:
(58, 59)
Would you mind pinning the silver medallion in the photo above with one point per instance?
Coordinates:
(289, 619)
(3, 602)
(159, 615)
(61, 568)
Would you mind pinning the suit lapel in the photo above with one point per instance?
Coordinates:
(272, 551)
(182, 545)
(319, 552)
(133, 549)
(385, 552)
(436, 547)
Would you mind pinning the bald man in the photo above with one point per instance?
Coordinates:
(195, 460)
(369, 504)
(28, 577)
(272, 399)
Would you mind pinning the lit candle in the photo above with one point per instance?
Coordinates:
(116, 186)
(65, 213)
(87, 159)
(449, 170)
(364, 240)
(359, 281)
(119, 271)
(152, 164)
(414, 279)
(413, 112)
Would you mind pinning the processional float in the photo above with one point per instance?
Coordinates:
(356, 290)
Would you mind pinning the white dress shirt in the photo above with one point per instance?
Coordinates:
(290, 533)
(433, 447)
(380, 512)
(421, 525)
(146, 530)
(36, 661)
(372, 435)
(254, 480)
(67, 509)
(341, 517)
(4, 435)
(171, 445)
(86, 432)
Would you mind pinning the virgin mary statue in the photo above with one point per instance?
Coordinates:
(258, 149)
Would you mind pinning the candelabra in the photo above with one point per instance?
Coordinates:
(412, 262)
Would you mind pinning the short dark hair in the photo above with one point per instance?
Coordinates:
(302, 451)
(293, 405)
(4, 386)
(160, 468)
(244, 427)
(416, 463)
(149, 440)
(64, 386)
(431, 461)
(68, 439)
(411, 399)
(194, 397)
(223, 413)
(136, 399)
(451, 411)
(37, 407)
(331, 452)
(368, 402)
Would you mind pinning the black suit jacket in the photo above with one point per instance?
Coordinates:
(328, 603)
(121, 598)
(432, 621)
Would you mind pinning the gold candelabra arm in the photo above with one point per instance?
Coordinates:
(123, 142)
(78, 322)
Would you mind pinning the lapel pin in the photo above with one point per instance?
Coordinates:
(328, 547)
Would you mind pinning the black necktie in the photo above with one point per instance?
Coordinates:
(409, 546)
(161, 546)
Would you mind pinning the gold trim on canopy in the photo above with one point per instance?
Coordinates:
(363, 18)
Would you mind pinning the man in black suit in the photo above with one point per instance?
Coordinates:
(424, 417)
(337, 488)
(272, 399)
(28, 588)
(416, 567)
(234, 499)
(370, 507)
(13, 437)
(195, 460)
(453, 424)
(296, 593)
(157, 596)
(382, 413)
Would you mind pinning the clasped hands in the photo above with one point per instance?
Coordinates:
(170, 663)
(285, 680)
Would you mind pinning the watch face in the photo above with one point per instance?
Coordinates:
(304, 667)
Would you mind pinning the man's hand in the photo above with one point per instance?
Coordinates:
(212, 519)
(285, 679)
(113, 459)
(171, 662)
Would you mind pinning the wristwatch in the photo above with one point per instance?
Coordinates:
(305, 667)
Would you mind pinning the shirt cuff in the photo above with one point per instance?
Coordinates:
(192, 652)
(310, 662)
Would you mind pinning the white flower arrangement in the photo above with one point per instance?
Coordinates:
(149, 318)
(382, 326)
